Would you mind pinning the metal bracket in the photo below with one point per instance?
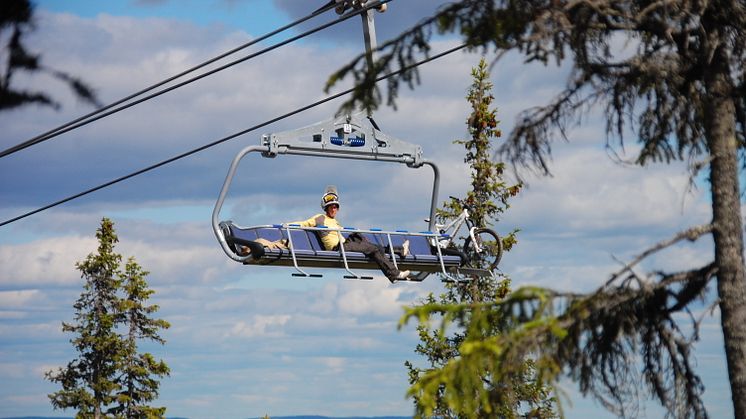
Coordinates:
(348, 136)
(369, 27)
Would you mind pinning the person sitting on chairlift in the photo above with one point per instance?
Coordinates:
(355, 242)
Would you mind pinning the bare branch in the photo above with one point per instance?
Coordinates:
(691, 234)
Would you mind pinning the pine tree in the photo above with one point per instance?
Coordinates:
(110, 379)
(88, 383)
(138, 387)
(513, 396)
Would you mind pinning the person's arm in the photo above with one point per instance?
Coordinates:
(311, 222)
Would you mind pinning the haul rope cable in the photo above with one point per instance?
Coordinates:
(91, 117)
(229, 137)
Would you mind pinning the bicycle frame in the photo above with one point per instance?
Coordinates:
(472, 247)
(453, 227)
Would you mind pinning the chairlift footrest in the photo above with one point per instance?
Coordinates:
(357, 277)
(307, 275)
(474, 272)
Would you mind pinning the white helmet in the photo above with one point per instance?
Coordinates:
(330, 197)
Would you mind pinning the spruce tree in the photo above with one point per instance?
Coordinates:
(88, 382)
(519, 394)
(137, 383)
(110, 379)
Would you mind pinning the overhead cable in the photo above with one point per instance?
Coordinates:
(229, 137)
(112, 109)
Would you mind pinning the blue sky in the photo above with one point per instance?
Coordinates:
(252, 341)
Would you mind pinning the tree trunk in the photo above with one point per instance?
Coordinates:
(728, 230)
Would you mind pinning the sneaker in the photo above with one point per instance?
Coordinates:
(244, 251)
(403, 275)
(405, 249)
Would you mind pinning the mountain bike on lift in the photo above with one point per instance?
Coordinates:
(481, 249)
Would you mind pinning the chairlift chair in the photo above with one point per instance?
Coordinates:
(346, 137)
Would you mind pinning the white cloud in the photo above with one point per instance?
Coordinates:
(589, 192)
(260, 326)
(334, 365)
(16, 299)
(321, 324)
(379, 301)
(44, 262)
(52, 261)
(178, 262)
(572, 278)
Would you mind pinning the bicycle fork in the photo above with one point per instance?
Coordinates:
(477, 245)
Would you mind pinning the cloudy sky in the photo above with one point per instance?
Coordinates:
(249, 341)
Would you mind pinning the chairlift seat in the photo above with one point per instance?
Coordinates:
(308, 251)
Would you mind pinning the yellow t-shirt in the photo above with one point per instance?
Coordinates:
(330, 239)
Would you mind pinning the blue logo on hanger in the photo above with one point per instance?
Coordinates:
(347, 142)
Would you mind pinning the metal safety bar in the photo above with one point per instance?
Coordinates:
(388, 234)
(295, 260)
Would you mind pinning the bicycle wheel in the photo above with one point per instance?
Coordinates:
(488, 250)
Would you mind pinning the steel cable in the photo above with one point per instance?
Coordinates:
(100, 113)
(227, 138)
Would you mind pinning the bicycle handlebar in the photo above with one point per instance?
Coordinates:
(462, 202)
